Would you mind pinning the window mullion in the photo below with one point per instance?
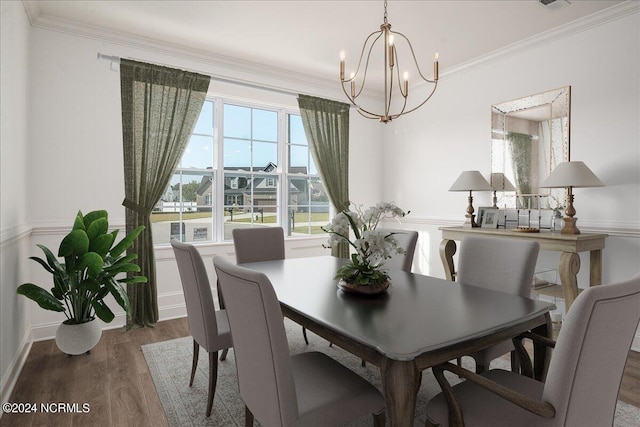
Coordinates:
(218, 170)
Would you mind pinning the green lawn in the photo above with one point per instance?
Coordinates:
(268, 218)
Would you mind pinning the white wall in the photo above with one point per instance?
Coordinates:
(14, 221)
(426, 150)
(76, 149)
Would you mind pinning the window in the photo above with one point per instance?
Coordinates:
(244, 166)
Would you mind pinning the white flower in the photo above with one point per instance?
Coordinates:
(372, 247)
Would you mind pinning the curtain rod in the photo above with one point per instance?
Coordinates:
(245, 83)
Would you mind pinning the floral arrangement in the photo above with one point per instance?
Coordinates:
(372, 247)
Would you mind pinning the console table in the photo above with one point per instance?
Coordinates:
(569, 244)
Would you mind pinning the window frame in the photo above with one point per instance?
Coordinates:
(280, 176)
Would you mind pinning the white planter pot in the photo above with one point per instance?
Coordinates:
(78, 339)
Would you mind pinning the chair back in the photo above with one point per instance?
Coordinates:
(265, 375)
(588, 361)
(201, 310)
(258, 244)
(407, 240)
(498, 264)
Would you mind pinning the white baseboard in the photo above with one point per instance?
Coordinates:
(635, 345)
(15, 367)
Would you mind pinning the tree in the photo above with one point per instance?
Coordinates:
(188, 191)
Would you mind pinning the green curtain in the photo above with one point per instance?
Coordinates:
(520, 147)
(160, 107)
(326, 124)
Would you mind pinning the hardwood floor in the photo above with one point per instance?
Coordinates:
(115, 381)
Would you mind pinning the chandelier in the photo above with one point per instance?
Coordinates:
(355, 84)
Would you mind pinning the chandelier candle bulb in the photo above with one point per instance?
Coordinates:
(342, 65)
(406, 83)
(391, 50)
(353, 85)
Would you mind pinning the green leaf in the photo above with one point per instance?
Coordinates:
(78, 224)
(354, 227)
(55, 291)
(61, 284)
(101, 244)
(97, 228)
(94, 215)
(125, 259)
(40, 296)
(102, 311)
(76, 242)
(51, 258)
(121, 268)
(133, 279)
(103, 292)
(120, 295)
(90, 284)
(42, 263)
(92, 262)
(126, 242)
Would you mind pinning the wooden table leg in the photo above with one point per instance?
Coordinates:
(569, 267)
(400, 382)
(447, 250)
(595, 267)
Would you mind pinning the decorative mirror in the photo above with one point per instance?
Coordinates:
(529, 138)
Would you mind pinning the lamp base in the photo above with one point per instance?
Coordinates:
(570, 226)
(470, 221)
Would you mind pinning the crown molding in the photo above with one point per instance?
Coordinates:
(232, 67)
(306, 83)
(613, 13)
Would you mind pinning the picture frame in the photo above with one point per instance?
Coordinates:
(490, 218)
(481, 212)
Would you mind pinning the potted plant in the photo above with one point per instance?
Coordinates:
(84, 279)
(363, 273)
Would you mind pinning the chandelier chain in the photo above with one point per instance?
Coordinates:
(385, 11)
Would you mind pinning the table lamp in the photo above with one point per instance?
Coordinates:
(499, 182)
(569, 175)
(470, 181)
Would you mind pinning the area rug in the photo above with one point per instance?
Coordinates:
(170, 366)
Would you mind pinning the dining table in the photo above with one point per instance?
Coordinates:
(419, 322)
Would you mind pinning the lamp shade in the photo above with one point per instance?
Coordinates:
(499, 182)
(470, 181)
(571, 174)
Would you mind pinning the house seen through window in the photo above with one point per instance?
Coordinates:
(244, 166)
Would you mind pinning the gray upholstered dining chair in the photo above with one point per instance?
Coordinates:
(407, 240)
(278, 389)
(209, 327)
(501, 265)
(257, 244)
(582, 382)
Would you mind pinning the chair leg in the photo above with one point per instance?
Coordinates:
(363, 363)
(223, 356)
(480, 368)
(213, 379)
(304, 334)
(194, 363)
(248, 417)
(379, 419)
(515, 362)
